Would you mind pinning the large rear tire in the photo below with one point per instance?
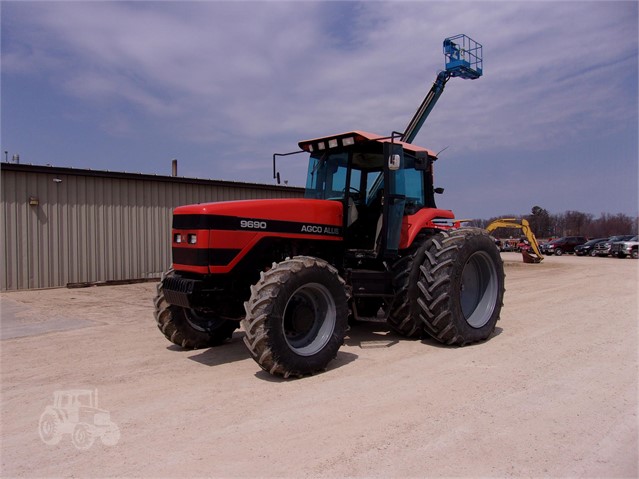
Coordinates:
(190, 328)
(297, 317)
(461, 286)
(50, 428)
(404, 312)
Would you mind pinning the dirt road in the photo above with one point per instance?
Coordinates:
(553, 393)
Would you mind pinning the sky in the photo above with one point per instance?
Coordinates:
(221, 86)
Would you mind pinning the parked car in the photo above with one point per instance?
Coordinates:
(565, 244)
(507, 245)
(621, 249)
(588, 247)
(603, 248)
(523, 244)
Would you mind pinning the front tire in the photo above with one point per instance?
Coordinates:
(188, 328)
(82, 436)
(297, 317)
(461, 286)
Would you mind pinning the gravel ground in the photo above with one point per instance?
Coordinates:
(553, 393)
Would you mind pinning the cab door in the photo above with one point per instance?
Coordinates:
(394, 198)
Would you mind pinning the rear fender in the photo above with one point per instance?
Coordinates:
(426, 218)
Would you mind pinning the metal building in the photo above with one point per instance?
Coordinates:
(67, 225)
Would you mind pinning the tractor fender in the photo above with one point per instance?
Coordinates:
(426, 218)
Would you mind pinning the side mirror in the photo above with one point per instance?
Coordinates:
(439, 191)
(394, 162)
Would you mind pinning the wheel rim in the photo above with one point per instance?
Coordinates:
(309, 319)
(479, 289)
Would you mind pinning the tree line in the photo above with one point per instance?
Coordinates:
(569, 223)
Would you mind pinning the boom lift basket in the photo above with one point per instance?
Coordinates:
(464, 57)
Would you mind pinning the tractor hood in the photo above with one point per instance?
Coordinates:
(297, 210)
(214, 237)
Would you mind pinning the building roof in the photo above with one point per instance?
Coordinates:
(56, 170)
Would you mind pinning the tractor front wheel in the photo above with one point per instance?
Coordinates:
(296, 317)
(82, 436)
(461, 286)
(190, 328)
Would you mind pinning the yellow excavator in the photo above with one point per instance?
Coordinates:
(533, 256)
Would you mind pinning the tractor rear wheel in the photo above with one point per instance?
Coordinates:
(461, 286)
(404, 311)
(190, 328)
(296, 317)
(49, 428)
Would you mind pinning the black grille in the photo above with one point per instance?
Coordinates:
(179, 291)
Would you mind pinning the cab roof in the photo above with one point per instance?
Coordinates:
(356, 136)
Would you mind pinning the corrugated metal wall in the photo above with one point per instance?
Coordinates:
(90, 226)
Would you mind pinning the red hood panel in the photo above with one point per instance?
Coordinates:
(223, 233)
(298, 209)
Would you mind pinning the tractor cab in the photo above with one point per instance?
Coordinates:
(378, 180)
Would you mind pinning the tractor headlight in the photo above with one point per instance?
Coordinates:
(191, 239)
(177, 238)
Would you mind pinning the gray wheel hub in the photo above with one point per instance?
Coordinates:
(309, 319)
(479, 289)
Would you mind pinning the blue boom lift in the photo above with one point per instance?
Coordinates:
(464, 59)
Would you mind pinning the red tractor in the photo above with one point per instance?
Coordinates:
(367, 239)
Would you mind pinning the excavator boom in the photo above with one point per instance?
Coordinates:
(525, 228)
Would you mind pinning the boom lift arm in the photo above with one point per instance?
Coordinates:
(463, 59)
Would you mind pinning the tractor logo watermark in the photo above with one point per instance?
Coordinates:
(76, 412)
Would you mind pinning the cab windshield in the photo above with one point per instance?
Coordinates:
(327, 178)
(328, 175)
